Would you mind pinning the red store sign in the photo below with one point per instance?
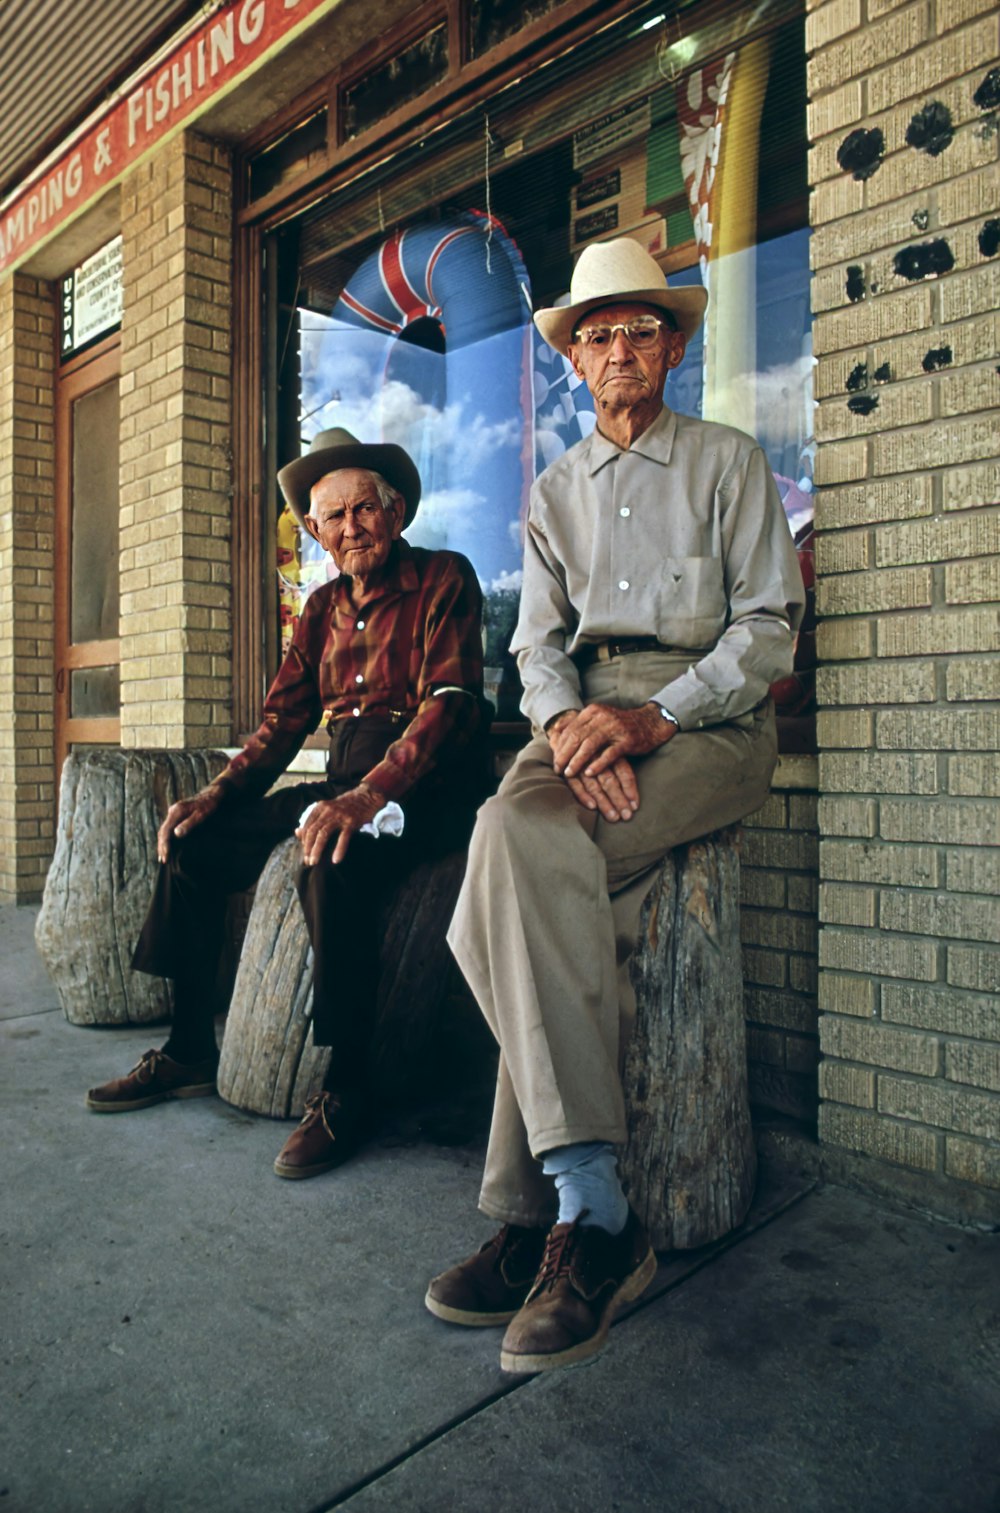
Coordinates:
(236, 41)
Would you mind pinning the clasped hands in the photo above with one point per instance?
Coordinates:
(591, 749)
(327, 817)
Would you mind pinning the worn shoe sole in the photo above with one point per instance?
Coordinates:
(196, 1090)
(316, 1170)
(634, 1286)
(467, 1316)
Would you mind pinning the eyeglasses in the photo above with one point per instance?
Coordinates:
(641, 332)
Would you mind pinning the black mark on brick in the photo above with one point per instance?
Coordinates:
(855, 283)
(858, 378)
(989, 238)
(883, 375)
(862, 404)
(937, 357)
(987, 96)
(931, 129)
(924, 260)
(860, 153)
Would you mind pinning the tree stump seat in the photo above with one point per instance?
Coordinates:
(690, 1162)
(111, 803)
(424, 1013)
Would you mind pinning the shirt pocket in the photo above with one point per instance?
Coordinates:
(691, 601)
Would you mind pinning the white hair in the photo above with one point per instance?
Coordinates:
(387, 495)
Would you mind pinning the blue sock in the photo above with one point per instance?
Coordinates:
(587, 1178)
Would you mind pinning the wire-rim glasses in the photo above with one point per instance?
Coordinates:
(641, 332)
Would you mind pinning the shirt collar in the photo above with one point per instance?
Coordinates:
(656, 443)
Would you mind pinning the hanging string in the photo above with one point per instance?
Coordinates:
(381, 217)
(489, 211)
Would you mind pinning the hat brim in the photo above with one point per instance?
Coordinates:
(558, 322)
(298, 477)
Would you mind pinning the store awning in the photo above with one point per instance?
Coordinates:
(60, 59)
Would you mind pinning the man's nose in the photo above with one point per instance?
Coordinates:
(621, 347)
(352, 525)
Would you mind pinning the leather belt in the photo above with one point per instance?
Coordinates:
(605, 651)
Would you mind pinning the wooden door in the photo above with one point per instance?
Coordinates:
(87, 690)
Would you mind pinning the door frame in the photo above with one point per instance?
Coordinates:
(92, 369)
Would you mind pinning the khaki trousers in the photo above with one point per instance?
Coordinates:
(548, 917)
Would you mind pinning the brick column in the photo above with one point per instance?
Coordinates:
(175, 448)
(906, 288)
(27, 768)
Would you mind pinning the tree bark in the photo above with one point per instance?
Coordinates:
(269, 1064)
(689, 1165)
(111, 803)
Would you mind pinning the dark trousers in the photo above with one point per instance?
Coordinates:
(183, 934)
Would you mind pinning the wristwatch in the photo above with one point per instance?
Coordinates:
(670, 718)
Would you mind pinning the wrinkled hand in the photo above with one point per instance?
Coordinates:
(592, 746)
(346, 814)
(185, 815)
(613, 792)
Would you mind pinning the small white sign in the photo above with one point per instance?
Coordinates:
(609, 133)
(92, 297)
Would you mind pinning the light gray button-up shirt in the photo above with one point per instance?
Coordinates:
(682, 537)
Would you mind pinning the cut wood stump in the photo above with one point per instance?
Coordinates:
(111, 803)
(269, 1064)
(690, 1163)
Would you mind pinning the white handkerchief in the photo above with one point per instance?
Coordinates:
(389, 820)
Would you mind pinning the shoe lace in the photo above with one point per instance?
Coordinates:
(321, 1106)
(145, 1067)
(558, 1256)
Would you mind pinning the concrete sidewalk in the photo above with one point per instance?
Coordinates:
(182, 1331)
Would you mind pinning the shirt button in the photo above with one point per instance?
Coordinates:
(623, 584)
(359, 678)
(624, 512)
(361, 625)
(355, 712)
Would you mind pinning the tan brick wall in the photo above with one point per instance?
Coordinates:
(27, 796)
(175, 448)
(905, 292)
(779, 862)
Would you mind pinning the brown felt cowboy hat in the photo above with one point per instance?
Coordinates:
(330, 450)
(612, 273)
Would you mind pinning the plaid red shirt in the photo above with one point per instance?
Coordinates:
(416, 631)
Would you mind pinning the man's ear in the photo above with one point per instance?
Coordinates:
(311, 527)
(676, 347)
(398, 509)
(571, 354)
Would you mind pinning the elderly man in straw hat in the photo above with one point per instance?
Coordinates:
(661, 594)
(391, 650)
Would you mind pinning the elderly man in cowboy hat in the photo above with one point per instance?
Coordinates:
(661, 593)
(391, 652)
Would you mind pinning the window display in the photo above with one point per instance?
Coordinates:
(411, 318)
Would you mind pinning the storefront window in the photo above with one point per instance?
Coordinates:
(411, 317)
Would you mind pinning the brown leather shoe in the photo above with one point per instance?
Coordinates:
(326, 1137)
(489, 1287)
(153, 1079)
(585, 1277)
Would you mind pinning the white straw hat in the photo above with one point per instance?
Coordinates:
(611, 273)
